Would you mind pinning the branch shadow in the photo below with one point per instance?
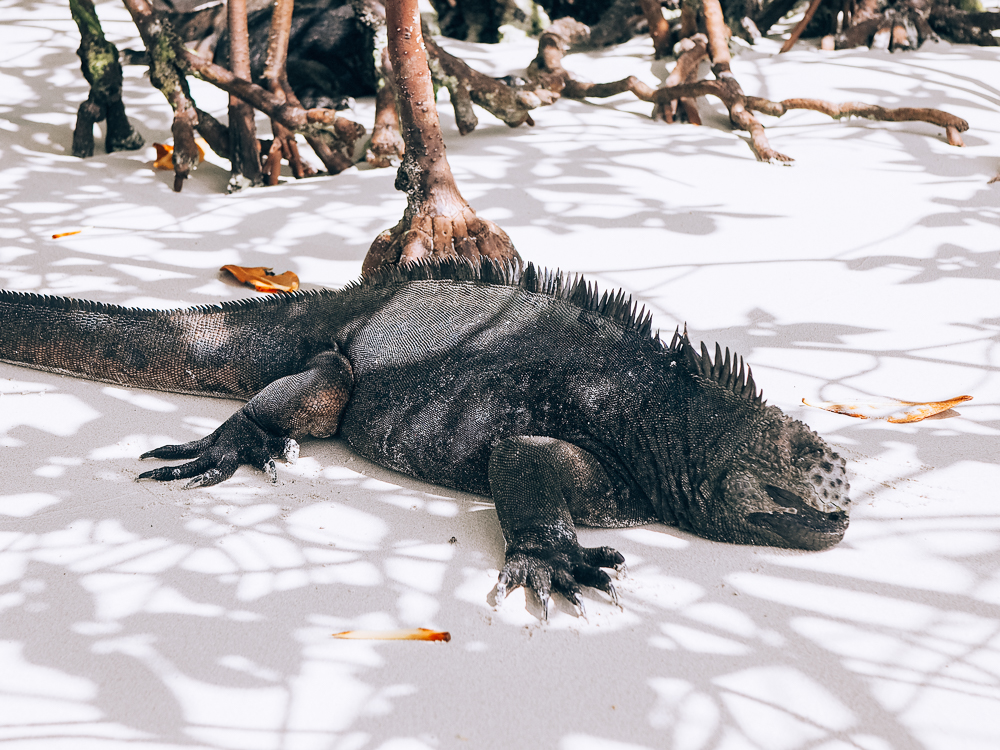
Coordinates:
(147, 615)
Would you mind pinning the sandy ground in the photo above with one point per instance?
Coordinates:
(148, 616)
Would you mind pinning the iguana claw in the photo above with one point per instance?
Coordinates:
(209, 478)
(291, 451)
(239, 440)
(581, 611)
(502, 588)
(613, 593)
(563, 570)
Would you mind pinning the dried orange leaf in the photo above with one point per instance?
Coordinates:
(410, 634)
(263, 279)
(889, 409)
(165, 153)
(68, 233)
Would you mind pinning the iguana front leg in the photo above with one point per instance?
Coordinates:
(540, 486)
(308, 403)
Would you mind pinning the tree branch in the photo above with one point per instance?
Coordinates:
(438, 222)
(103, 71)
(244, 148)
(321, 123)
(166, 73)
(387, 143)
(800, 26)
(283, 144)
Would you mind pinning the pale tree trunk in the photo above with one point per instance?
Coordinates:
(437, 222)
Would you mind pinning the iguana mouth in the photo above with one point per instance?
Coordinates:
(800, 524)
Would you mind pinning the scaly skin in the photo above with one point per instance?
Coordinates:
(518, 384)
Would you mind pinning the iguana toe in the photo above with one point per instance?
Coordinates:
(209, 478)
(577, 601)
(503, 582)
(183, 450)
(239, 440)
(564, 572)
(596, 578)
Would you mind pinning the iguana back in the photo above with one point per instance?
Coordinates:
(520, 384)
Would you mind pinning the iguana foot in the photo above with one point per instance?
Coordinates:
(239, 440)
(562, 571)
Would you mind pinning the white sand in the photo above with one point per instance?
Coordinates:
(147, 616)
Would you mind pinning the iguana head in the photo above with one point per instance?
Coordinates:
(768, 479)
(787, 489)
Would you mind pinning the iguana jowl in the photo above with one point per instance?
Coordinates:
(520, 384)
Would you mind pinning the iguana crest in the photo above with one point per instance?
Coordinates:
(729, 371)
(575, 288)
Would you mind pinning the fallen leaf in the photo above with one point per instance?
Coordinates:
(165, 151)
(889, 409)
(263, 279)
(68, 233)
(411, 634)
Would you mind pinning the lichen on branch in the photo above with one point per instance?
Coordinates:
(103, 71)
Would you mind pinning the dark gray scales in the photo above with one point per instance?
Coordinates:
(524, 385)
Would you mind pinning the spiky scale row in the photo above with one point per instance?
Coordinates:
(576, 290)
(573, 289)
(728, 370)
(71, 304)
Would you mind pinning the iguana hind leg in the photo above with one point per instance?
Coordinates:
(540, 486)
(308, 403)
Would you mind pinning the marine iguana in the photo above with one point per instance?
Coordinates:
(518, 383)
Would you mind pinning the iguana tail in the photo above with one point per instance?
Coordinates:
(233, 349)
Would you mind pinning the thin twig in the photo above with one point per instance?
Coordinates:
(800, 26)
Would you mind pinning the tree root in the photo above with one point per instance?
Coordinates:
(332, 137)
(551, 80)
(323, 125)
(899, 24)
(659, 29)
(693, 50)
(386, 146)
(728, 90)
(467, 86)
(619, 23)
(103, 71)
(438, 222)
(741, 106)
(283, 144)
(953, 125)
(963, 27)
(244, 149)
(800, 26)
(421, 235)
(166, 73)
(216, 134)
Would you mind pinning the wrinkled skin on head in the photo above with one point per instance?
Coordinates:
(787, 488)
